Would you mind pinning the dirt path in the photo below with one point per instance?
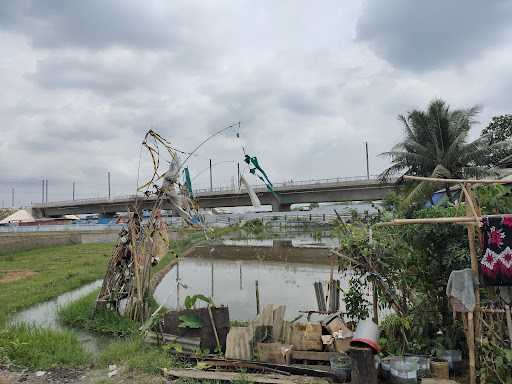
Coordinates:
(77, 376)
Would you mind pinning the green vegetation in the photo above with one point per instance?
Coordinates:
(78, 314)
(48, 272)
(499, 130)
(135, 354)
(38, 348)
(436, 144)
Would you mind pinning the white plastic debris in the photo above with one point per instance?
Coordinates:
(40, 373)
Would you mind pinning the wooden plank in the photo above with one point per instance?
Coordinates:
(315, 356)
(234, 376)
(238, 343)
(277, 321)
(273, 352)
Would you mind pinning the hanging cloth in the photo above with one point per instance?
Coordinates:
(254, 161)
(461, 290)
(252, 195)
(496, 260)
(188, 182)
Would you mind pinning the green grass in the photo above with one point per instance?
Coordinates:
(57, 270)
(78, 314)
(37, 348)
(135, 354)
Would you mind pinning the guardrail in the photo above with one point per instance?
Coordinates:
(221, 189)
(293, 218)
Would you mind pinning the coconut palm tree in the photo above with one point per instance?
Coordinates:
(436, 144)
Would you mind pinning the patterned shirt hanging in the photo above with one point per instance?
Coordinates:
(496, 261)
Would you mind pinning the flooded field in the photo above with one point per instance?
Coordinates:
(228, 273)
(46, 315)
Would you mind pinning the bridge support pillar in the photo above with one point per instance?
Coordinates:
(280, 207)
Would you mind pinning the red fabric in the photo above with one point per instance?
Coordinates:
(496, 260)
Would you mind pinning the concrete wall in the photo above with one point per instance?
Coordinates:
(11, 242)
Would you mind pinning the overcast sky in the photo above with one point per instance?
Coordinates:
(310, 82)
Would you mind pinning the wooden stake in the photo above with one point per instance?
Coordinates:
(509, 323)
(257, 298)
(471, 348)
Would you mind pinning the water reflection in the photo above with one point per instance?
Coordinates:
(232, 283)
(46, 315)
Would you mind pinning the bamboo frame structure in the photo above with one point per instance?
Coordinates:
(471, 319)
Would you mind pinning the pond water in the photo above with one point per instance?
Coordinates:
(46, 315)
(229, 275)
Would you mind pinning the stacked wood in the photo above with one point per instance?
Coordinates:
(274, 352)
(306, 337)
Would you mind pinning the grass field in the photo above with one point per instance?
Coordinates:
(42, 274)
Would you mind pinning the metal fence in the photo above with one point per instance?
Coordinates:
(295, 218)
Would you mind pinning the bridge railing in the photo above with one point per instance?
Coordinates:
(221, 189)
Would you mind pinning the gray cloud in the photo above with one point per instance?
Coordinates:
(424, 35)
(83, 81)
(96, 24)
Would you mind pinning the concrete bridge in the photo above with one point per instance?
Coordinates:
(293, 192)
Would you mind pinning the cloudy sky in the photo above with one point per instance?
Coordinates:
(310, 82)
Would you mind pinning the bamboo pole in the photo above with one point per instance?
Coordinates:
(432, 220)
(471, 348)
(469, 200)
(508, 318)
(457, 181)
(473, 319)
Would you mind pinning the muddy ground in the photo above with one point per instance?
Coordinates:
(77, 376)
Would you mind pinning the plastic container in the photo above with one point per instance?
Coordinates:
(423, 363)
(385, 366)
(367, 334)
(403, 371)
(341, 367)
(454, 359)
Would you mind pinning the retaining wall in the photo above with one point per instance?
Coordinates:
(11, 242)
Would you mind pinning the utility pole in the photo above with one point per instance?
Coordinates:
(12, 191)
(42, 191)
(367, 164)
(108, 177)
(73, 191)
(46, 191)
(211, 180)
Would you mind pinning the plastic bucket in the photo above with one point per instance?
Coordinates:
(341, 367)
(403, 371)
(367, 334)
